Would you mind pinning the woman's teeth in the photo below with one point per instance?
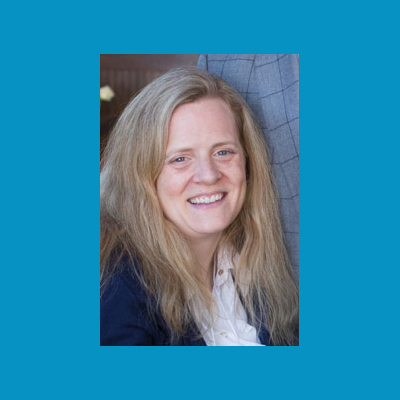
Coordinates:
(206, 200)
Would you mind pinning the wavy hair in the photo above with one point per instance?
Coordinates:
(132, 221)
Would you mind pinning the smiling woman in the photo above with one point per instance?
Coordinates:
(202, 184)
(191, 245)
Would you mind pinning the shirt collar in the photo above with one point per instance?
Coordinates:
(227, 265)
(223, 267)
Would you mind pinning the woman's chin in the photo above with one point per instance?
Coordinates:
(208, 231)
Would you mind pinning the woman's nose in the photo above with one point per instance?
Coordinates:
(206, 172)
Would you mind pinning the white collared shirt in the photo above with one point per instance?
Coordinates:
(231, 327)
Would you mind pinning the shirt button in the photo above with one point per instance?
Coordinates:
(224, 334)
(220, 272)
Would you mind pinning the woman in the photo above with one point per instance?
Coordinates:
(191, 246)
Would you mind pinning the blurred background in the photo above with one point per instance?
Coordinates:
(126, 74)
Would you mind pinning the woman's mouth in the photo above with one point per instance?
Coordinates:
(205, 200)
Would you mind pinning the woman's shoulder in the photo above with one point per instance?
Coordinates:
(124, 282)
(129, 315)
(124, 310)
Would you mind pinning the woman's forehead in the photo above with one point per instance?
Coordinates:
(205, 119)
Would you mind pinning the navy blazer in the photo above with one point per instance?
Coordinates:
(124, 319)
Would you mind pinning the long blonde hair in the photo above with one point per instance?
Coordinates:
(133, 224)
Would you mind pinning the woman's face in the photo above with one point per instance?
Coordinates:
(202, 185)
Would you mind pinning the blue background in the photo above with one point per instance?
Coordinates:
(349, 206)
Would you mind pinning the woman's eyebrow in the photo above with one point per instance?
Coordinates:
(178, 150)
(189, 149)
(227, 143)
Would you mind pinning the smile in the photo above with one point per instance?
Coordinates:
(207, 199)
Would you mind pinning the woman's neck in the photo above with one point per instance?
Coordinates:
(204, 251)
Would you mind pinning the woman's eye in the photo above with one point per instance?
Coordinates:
(179, 159)
(223, 152)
